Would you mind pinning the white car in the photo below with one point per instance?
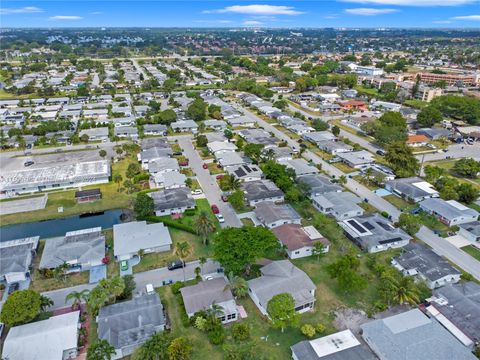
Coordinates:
(197, 192)
(220, 218)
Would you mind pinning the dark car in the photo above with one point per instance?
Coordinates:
(28, 163)
(303, 146)
(177, 264)
(224, 198)
(380, 152)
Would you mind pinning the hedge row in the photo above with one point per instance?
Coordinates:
(171, 223)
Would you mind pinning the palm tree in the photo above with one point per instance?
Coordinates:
(342, 180)
(77, 297)
(406, 292)
(113, 286)
(214, 311)
(232, 182)
(183, 250)
(367, 175)
(238, 285)
(45, 302)
(117, 178)
(204, 226)
(268, 155)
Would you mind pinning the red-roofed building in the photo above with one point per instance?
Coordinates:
(417, 140)
(353, 105)
(299, 240)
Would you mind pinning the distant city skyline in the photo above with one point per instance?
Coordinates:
(241, 13)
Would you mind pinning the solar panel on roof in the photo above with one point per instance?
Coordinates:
(368, 225)
(247, 168)
(384, 226)
(357, 226)
(388, 241)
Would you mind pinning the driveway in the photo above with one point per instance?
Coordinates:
(208, 183)
(444, 248)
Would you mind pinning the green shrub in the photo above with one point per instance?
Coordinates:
(176, 287)
(216, 335)
(320, 328)
(308, 330)
(171, 223)
(190, 212)
(385, 214)
(240, 331)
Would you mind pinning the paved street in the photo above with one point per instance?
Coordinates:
(208, 183)
(455, 151)
(444, 248)
(331, 170)
(154, 277)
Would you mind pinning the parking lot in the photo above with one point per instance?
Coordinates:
(50, 160)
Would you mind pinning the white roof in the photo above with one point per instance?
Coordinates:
(425, 186)
(43, 340)
(331, 344)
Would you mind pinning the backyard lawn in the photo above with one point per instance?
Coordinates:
(344, 167)
(472, 250)
(398, 202)
(111, 199)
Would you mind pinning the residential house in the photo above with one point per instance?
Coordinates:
(373, 233)
(126, 132)
(172, 201)
(417, 259)
(342, 345)
(216, 136)
(153, 154)
(470, 231)
(242, 121)
(221, 146)
(357, 159)
(435, 133)
(261, 190)
(163, 165)
(299, 241)
(154, 129)
(417, 140)
(449, 212)
(318, 184)
(457, 308)
(334, 147)
(272, 215)
(131, 237)
(279, 153)
(412, 189)
(16, 257)
(317, 137)
(245, 172)
(55, 338)
(204, 295)
(300, 166)
(128, 324)
(184, 126)
(356, 105)
(229, 158)
(79, 249)
(414, 336)
(340, 205)
(95, 134)
(280, 277)
(217, 125)
(169, 180)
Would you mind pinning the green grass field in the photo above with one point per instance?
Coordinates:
(472, 251)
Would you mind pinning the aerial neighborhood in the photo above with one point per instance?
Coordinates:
(239, 194)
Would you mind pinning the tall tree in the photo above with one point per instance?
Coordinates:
(406, 291)
(77, 297)
(183, 250)
(21, 307)
(238, 285)
(237, 248)
(400, 157)
(143, 206)
(281, 310)
(345, 270)
(204, 226)
(179, 349)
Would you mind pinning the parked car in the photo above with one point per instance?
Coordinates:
(150, 289)
(183, 163)
(224, 198)
(205, 166)
(218, 177)
(215, 209)
(197, 192)
(28, 163)
(177, 264)
(220, 218)
(124, 265)
(380, 152)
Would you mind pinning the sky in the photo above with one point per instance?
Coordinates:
(241, 13)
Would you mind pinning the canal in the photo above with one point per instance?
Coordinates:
(58, 227)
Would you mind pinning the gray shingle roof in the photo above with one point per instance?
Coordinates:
(172, 198)
(448, 209)
(318, 184)
(426, 262)
(131, 322)
(282, 277)
(413, 336)
(268, 212)
(463, 307)
(16, 255)
(202, 295)
(262, 189)
(406, 186)
(81, 247)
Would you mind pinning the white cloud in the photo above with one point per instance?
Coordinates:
(65, 17)
(256, 10)
(23, 10)
(468, 17)
(442, 22)
(369, 11)
(414, 2)
(252, 23)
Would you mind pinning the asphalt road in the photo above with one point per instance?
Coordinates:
(443, 248)
(154, 277)
(455, 151)
(208, 183)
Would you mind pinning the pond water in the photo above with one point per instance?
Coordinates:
(58, 227)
